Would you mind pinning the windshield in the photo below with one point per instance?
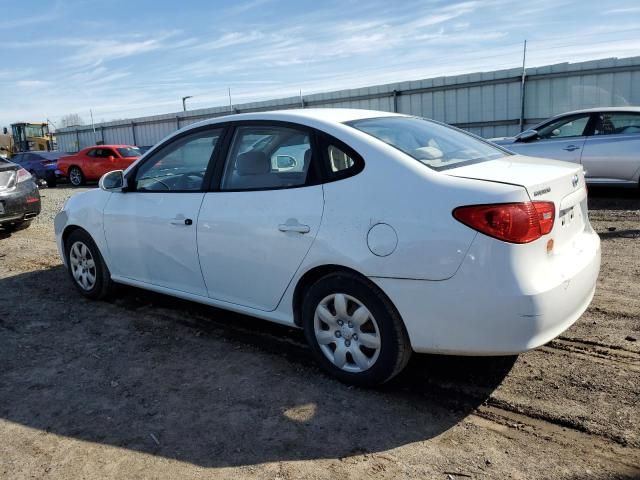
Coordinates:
(435, 145)
(129, 151)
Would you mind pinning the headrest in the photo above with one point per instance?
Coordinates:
(253, 163)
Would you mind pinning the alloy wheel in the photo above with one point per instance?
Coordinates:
(75, 176)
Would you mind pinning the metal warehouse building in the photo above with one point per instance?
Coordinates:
(489, 104)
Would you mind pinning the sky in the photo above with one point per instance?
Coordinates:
(123, 59)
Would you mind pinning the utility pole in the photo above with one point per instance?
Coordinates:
(184, 102)
(95, 137)
(301, 100)
(230, 104)
(522, 80)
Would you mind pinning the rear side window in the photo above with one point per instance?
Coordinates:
(435, 145)
(617, 123)
(339, 160)
(129, 152)
(267, 157)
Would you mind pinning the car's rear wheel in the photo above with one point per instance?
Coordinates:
(86, 267)
(354, 331)
(76, 177)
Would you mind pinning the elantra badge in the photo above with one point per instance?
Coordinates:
(541, 192)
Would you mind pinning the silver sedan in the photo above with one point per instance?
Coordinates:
(606, 141)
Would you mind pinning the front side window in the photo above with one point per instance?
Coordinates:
(435, 145)
(180, 165)
(565, 127)
(267, 157)
(617, 124)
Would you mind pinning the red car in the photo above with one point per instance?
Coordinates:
(92, 162)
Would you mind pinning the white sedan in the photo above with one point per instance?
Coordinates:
(378, 234)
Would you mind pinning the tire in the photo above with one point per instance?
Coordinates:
(76, 177)
(38, 181)
(52, 183)
(16, 227)
(86, 268)
(370, 362)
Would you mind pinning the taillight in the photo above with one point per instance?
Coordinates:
(512, 222)
(23, 176)
(546, 215)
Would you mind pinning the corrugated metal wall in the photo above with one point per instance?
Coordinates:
(487, 104)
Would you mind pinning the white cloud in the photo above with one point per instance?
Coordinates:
(614, 11)
(32, 83)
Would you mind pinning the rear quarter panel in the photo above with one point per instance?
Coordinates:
(65, 162)
(414, 200)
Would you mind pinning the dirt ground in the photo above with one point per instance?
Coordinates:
(147, 386)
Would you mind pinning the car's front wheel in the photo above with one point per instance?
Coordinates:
(354, 331)
(86, 267)
(76, 177)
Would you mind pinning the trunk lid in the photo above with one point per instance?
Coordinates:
(544, 180)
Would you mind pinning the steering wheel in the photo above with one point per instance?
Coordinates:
(189, 178)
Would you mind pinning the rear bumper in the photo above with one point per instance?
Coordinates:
(483, 312)
(20, 204)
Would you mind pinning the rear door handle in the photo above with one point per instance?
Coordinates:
(571, 148)
(297, 228)
(180, 220)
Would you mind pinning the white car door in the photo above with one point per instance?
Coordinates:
(612, 153)
(254, 232)
(561, 139)
(151, 228)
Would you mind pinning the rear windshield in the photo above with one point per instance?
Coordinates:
(129, 152)
(435, 145)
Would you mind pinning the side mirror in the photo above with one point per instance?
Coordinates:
(285, 161)
(112, 181)
(527, 135)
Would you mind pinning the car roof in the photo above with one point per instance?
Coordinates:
(603, 109)
(50, 155)
(112, 145)
(301, 115)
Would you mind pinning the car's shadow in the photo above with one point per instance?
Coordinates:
(610, 198)
(158, 375)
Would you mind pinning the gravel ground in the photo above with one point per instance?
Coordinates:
(147, 386)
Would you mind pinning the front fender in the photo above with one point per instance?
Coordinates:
(84, 210)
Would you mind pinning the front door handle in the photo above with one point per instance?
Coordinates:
(297, 228)
(571, 148)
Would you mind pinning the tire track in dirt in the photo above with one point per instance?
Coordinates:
(513, 424)
(598, 352)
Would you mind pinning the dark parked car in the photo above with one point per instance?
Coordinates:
(19, 196)
(42, 165)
